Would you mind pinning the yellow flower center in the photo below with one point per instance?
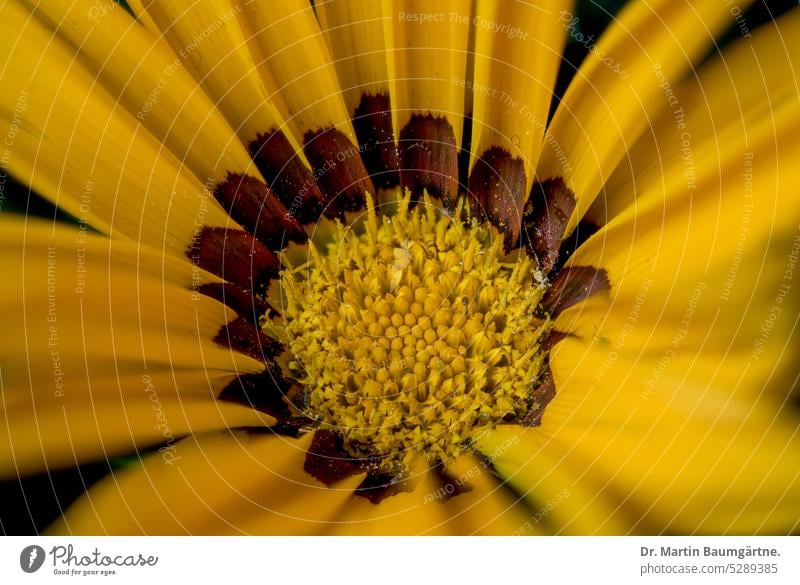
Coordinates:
(411, 332)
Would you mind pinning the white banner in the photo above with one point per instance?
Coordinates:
(393, 560)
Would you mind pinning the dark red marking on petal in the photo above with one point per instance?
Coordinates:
(552, 338)
(582, 232)
(264, 392)
(572, 285)
(497, 190)
(466, 147)
(449, 486)
(547, 213)
(326, 459)
(429, 158)
(376, 487)
(234, 255)
(338, 170)
(541, 396)
(287, 175)
(372, 121)
(241, 300)
(252, 204)
(247, 338)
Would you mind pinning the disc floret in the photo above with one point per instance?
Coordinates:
(411, 332)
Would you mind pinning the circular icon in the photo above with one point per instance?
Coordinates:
(31, 558)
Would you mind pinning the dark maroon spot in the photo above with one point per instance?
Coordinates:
(338, 170)
(449, 486)
(572, 285)
(252, 204)
(497, 190)
(247, 338)
(235, 256)
(372, 121)
(287, 175)
(552, 338)
(241, 300)
(264, 392)
(466, 145)
(540, 398)
(327, 460)
(546, 216)
(428, 158)
(376, 487)
(582, 232)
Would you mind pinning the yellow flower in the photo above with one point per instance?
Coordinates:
(335, 270)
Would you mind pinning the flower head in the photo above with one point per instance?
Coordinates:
(339, 268)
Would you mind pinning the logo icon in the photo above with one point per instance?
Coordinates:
(31, 558)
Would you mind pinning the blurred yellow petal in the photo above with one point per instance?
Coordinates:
(561, 498)
(731, 93)
(487, 507)
(683, 449)
(53, 432)
(433, 508)
(691, 270)
(615, 91)
(92, 323)
(222, 483)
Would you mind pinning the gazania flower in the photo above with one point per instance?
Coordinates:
(337, 270)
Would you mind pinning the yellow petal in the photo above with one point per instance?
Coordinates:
(510, 94)
(488, 507)
(93, 322)
(707, 260)
(683, 449)
(434, 508)
(225, 483)
(561, 498)
(55, 432)
(297, 66)
(430, 60)
(616, 92)
(359, 37)
(431, 44)
(729, 95)
(517, 54)
(73, 143)
(679, 391)
(84, 298)
(356, 36)
(208, 40)
(152, 84)
(406, 513)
